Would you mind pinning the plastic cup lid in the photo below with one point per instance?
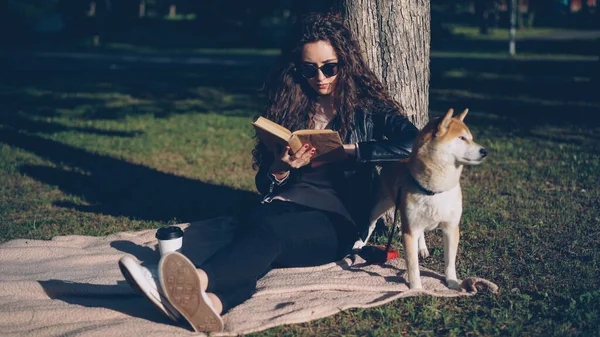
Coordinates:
(168, 233)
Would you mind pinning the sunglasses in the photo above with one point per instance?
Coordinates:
(308, 70)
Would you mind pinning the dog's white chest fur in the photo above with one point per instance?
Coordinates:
(428, 212)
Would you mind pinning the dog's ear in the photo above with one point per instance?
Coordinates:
(462, 115)
(445, 122)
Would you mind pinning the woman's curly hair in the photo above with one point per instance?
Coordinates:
(291, 99)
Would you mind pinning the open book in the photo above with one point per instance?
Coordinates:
(328, 145)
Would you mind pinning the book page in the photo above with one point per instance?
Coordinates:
(324, 141)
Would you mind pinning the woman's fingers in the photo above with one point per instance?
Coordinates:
(300, 152)
(303, 158)
(308, 154)
(300, 158)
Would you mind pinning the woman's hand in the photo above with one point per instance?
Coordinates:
(285, 160)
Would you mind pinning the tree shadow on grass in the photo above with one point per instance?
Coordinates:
(20, 122)
(537, 45)
(108, 185)
(98, 94)
(517, 96)
(115, 187)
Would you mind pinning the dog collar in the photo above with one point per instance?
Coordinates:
(423, 189)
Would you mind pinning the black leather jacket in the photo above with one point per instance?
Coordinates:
(381, 136)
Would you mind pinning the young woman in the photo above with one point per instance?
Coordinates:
(309, 215)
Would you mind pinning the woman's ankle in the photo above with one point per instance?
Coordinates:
(203, 279)
(216, 302)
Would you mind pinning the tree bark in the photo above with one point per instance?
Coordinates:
(394, 36)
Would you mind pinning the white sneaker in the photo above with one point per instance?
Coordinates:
(182, 286)
(143, 280)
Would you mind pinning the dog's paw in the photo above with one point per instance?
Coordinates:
(358, 245)
(454, 285)
(423, 253)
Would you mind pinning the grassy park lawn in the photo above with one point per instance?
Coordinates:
(103, 151)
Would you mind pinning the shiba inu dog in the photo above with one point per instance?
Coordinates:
(430, 194)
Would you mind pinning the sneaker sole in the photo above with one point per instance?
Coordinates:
(181, 285)
(134, 282)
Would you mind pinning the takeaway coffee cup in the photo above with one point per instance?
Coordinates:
(170, 239)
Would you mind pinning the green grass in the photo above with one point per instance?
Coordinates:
(100, 153)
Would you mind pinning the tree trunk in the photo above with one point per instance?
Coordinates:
(482, 14)
(519, 14)
(142, 12)
(395, 38)
(514, 9)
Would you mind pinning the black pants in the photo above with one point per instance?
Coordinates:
(276, 234)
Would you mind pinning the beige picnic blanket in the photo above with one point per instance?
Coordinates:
(72, 286)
